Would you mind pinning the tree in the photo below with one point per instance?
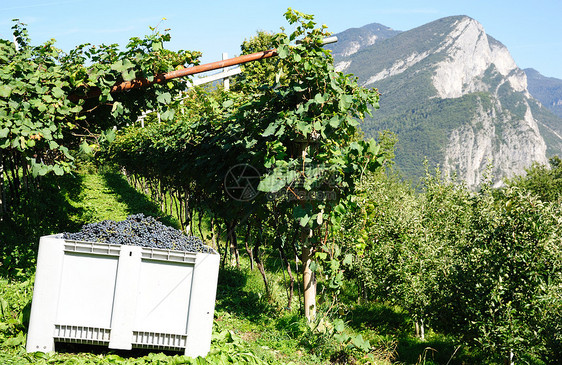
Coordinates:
(391, 266)
(407, 240)
(483, 266)
(541, 180)
(509, 266)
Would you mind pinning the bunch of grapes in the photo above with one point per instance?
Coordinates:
(139, 230)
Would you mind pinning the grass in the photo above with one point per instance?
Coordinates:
(249, 326)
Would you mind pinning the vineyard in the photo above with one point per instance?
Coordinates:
(327, 255)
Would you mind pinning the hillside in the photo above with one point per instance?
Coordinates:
(454, 95)
(547, 90)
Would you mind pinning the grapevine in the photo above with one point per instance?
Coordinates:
(47, 114)
(293, 119)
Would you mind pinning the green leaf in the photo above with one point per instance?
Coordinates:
(118, 66)
(340, 209)
(339, 325)
(313, 266)
(359, 342)
(15, 341)
(58, 170)
(345, 102)
(5, 91)
(85, 148)
(129, 75)
(168, 114)
(57, 92)
(352, 122)
(270, 130)
(318, 98)
(303, 221)
(3, 307)
(301, 215)
(117, 109)
(109, 135)
(39, 169)
(283, 51)
(122, 65)
(373, 147)
(272, 183)
(164, 98)
(341, 337)
(280, 132)
(304, 127)
(334, 121)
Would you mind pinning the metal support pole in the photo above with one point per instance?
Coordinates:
(160, 78)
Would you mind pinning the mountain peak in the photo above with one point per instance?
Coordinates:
(532, 72)
(455, 18)
(377, 27)
(471, 53)
(548, 90)
(452, 94)
(352, 40)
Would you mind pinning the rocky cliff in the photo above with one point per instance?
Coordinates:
(453, 95)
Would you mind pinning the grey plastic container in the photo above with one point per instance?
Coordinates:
(122, 297)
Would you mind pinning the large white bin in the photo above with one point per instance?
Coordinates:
(122, 297)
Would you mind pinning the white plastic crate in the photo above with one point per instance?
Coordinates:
(122, 297)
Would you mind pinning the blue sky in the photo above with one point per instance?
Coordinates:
(532, 30)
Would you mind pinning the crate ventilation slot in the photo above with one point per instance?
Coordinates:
(80, 334)
(92, 248)
(159, 340)
(168, 255)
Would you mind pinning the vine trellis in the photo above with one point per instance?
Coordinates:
(293, 118)
(53, 104)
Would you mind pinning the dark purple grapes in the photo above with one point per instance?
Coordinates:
(139, 230)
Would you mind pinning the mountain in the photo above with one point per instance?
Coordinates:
(547, 90)
(353, 39)
(454, 96)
